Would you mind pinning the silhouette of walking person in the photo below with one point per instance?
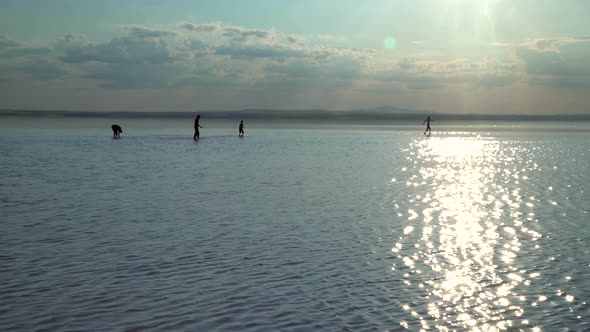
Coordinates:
(428, 129)
(116, 131)
(197, 126)
(241, 133)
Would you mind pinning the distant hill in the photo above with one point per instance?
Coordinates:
(368, 115)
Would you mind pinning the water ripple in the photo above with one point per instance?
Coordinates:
(293, 230)
(471, 239)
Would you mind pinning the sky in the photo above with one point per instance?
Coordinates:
(456, 56)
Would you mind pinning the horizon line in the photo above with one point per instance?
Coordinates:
(380, 113)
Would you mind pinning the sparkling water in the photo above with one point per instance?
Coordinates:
(294, 229)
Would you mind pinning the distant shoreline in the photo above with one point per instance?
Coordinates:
(304, 115)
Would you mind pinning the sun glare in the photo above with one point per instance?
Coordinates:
(468, 244)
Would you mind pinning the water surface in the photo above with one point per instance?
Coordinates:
(294, 229)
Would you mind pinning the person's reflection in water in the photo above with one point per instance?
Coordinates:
(116, 131)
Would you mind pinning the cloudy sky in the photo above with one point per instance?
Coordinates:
(463, 56)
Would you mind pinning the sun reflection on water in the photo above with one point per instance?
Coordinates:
(468, 220)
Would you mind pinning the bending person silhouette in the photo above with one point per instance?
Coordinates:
(428, 129)
(116, 131)
(197, 126)
(241, 133)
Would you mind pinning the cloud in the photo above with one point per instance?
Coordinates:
(195, 44)
(233, 65)
(425, 74)
(557, 57)
(491, 80)
(231, 32)
(213, 54)
(200, 27)
(255, 33)
(24, 51)
(236, 33)
(557, 62)
(239, 34)
(121, 63)
(33, 69)
(553, 45)
(267, 54)
(239, 51)
(72, 42)
(11, 49)
(341, 67)
(44, 70)
(129, 49)
(141, 32)
(242, 34)
(411, 80)
(19, 60)
(562, 82)
(8, 43)
(135, 76)
(295, 69)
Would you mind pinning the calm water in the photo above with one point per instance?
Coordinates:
(293, 230)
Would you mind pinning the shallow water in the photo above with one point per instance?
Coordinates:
(294, 230)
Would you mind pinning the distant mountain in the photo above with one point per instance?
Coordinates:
(392, 110)
(369, 115)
